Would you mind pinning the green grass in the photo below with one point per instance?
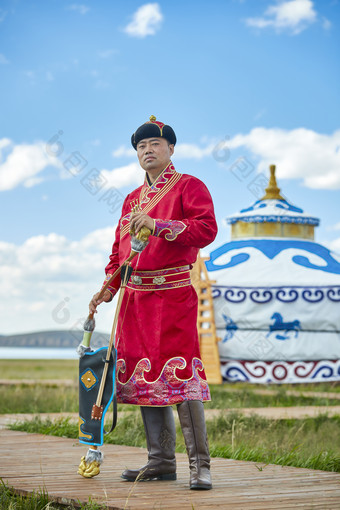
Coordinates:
(129, 430)
(312, 443)
(39, 369)
(32, 399)
(9, 500)
(40, 398)
(35, 501)
(223, 397)
(333, 386)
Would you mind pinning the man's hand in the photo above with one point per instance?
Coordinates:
(139, 220)
(95, 301)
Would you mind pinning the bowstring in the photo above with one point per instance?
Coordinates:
(127, 304)
(135, 205)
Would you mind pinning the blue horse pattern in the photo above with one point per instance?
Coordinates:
(280, 325)
(230, 327)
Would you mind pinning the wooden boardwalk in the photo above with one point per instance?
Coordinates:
(33, 462)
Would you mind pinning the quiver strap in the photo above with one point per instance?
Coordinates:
(91, 366)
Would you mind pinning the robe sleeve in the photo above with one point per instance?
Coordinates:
(198, 226)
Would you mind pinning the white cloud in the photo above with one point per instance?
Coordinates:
(4, 142)
(326, 24)
(49, 76)
(334, 227)
(3, 59)
(192, 151)
(107, 53)
(124, 151)
(334, 245)
(101, 84)
(123, 176)
(260, 114)
(292, 15)
(23, 163)
(33, 181)
(299, 154)
(146, 20)
(3, 15)
(38, 275)
(81, 8)
(30, 75)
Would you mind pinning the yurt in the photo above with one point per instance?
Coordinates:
(276, 296)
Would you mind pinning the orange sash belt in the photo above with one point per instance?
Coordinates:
(163, 279)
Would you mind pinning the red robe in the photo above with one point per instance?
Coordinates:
(157, 342)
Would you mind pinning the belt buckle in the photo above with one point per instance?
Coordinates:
(137, 280)
(158, 280)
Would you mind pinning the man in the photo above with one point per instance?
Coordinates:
(157, 342)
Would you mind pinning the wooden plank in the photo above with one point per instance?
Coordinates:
(207, 335)
(33, 461)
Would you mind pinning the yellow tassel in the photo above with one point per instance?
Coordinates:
(88, 470)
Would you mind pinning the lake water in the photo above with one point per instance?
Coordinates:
(36, 353)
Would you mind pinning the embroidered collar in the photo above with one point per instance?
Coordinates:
(148, 191)
(168, 169)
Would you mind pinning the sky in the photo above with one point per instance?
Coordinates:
(244, 84)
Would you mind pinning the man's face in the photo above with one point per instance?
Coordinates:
(154, 154)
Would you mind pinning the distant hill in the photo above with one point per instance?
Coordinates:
(63, 339)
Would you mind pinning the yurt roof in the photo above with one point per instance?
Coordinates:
(274, 261)
(273, 210)
(266, 262)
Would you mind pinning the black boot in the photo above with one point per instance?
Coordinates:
(160, 432)
(191, 417)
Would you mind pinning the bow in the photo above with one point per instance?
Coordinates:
(97, 369)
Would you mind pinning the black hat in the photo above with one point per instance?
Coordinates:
(151, 129)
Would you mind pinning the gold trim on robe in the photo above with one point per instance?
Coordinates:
(151, 195)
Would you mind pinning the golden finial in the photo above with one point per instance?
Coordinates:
(135, 207)
(272, 192)
(140, 240)
(152, 118)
